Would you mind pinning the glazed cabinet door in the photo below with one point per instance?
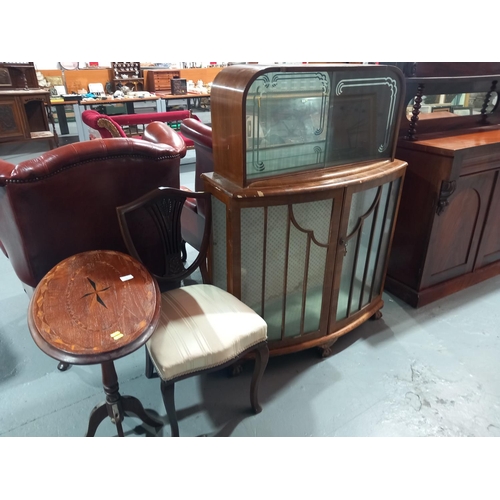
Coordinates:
(11, 120)
(278, 259)
(457, 229)
(489, 248)
(367, 225)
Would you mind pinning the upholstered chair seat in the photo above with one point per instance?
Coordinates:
(197, 331)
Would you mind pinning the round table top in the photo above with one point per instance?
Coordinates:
(94, 306)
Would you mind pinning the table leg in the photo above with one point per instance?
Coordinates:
(116, 405)
(130, 108)
(80, 126)
(61, 118)
(112, 406)
(133, 405)
(97, 415)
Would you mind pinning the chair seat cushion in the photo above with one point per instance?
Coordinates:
(201, 327)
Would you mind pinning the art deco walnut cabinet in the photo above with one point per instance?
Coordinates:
(447, 236)
(305, 194)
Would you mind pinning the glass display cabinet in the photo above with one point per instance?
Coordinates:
(447, 236)
(305, 194)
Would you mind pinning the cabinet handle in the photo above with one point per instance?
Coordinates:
(343, 243)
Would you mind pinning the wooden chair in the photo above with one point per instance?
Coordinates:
(202, 327)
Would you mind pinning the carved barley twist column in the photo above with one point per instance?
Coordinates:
(415, 112)
(487, 100)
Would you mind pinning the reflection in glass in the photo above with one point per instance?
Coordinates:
(454, 104)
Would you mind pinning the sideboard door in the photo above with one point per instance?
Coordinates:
(11, 120)
(367, 224)
(489, 248)
(456, 231)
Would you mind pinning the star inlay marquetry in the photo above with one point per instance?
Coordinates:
(96, 293)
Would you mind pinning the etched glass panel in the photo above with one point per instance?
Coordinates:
(285, 122)
(307, 120)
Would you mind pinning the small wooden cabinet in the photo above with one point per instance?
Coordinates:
(305, 195)
(24, 108)
(160, 79)
(127, 73)
(23, 116)
(448, 232)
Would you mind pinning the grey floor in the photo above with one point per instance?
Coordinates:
(426, 372)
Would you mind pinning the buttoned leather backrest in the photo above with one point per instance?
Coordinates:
(64, 202)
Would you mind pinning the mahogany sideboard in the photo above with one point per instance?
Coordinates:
(305, 192)
(447, 236)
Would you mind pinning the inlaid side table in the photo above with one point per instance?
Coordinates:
(95, 307)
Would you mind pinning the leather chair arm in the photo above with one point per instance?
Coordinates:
(5, 171)
(161, 133)
(197, 131)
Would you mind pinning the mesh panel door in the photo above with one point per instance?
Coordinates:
(283, 261)
(371, 219)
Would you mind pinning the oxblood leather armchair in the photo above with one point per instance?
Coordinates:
(64, 202)
(201, 135)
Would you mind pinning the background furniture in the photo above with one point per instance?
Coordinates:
(75, 80)
(91, 103)
(447, 236)
(202, 328)
(193, 100)
(18, 75)
(157, 132)
(127, 73)
(24, 107)
(60, 107)
(305, 194)
(95, 307)
(134, 125)
(160, 79)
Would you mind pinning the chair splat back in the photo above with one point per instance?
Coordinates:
(164, 208)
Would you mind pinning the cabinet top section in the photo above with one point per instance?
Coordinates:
(270, 121)
(17, 76)
(449, 98)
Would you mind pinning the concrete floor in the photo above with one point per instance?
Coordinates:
(426, 372)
